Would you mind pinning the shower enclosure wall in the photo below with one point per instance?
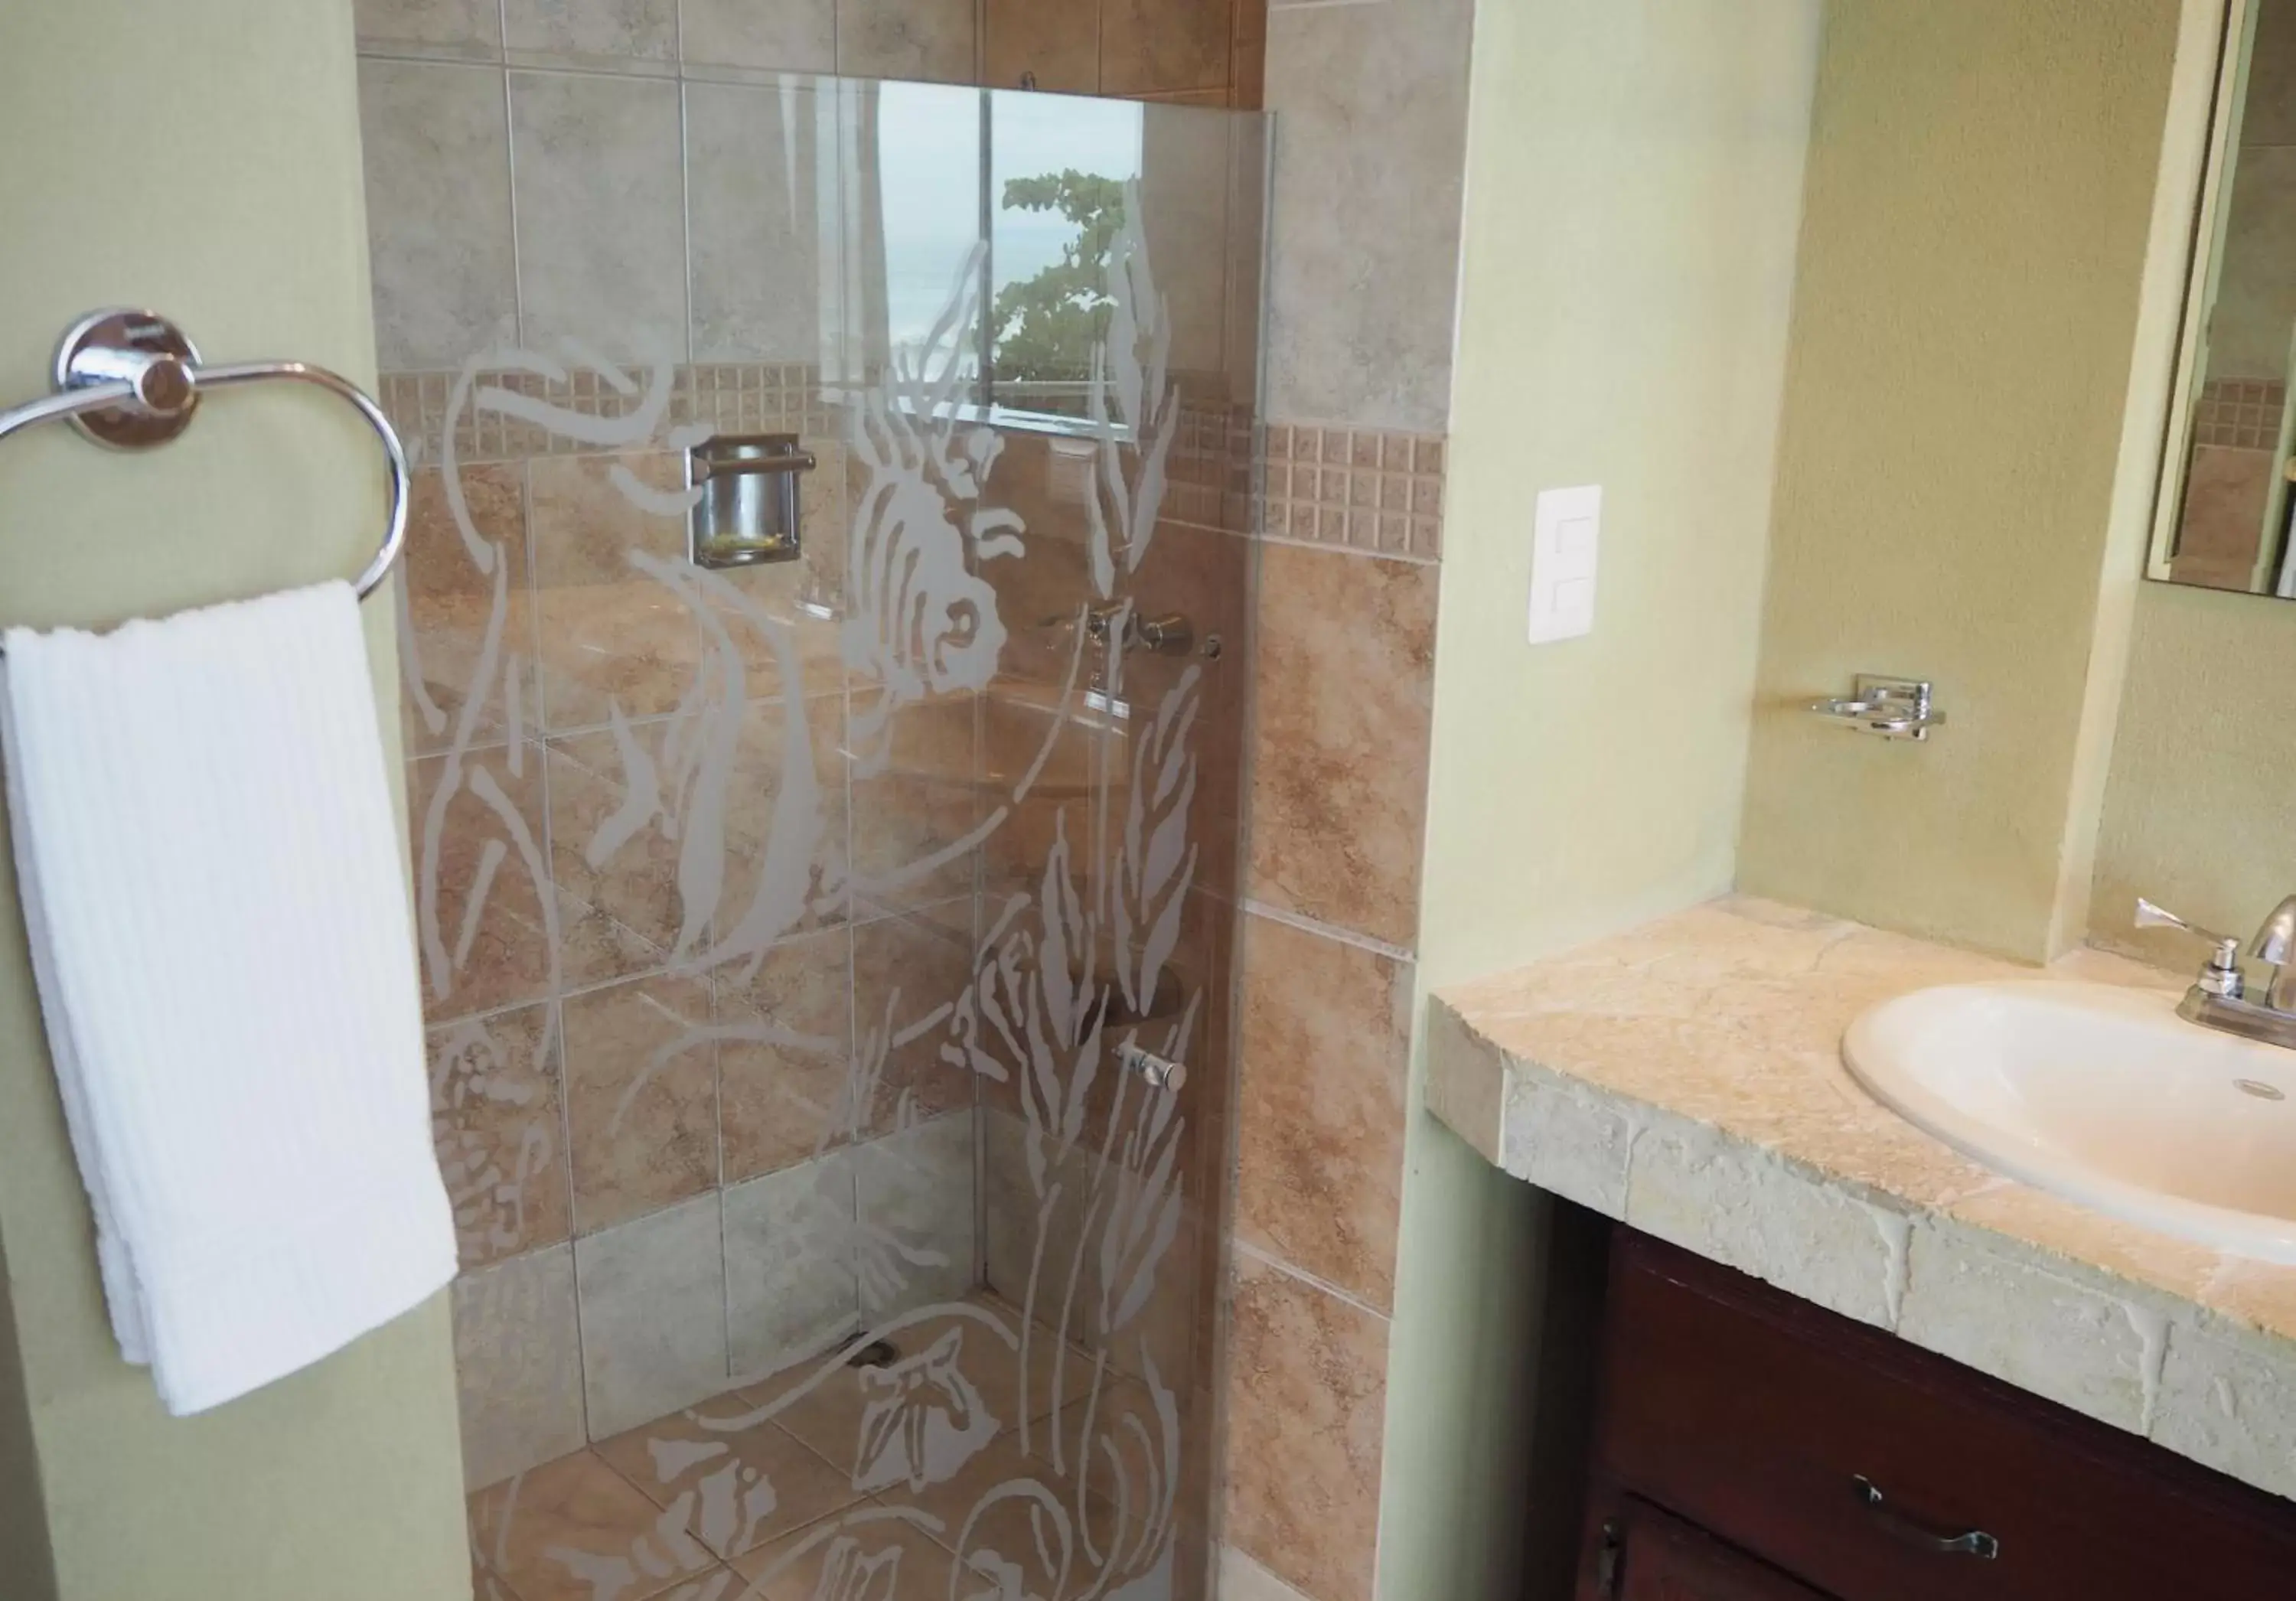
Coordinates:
(828, 962)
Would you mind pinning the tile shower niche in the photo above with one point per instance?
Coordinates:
(792, 933)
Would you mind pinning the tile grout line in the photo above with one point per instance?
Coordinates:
(1292, 1270)
(1328, 931)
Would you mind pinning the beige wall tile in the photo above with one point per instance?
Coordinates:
(1326, 1044)
(770, 771)
(790, 36)
(791, 1290)
(437, 156)
(915, 1189)
(752, 211)
(906, 972)
(1339, 750)
(497, 1118)
(781, 1093)
(634, 880)
(1148, 46)
(926, 39)
(481, 881)
(462, 27)
(518, 1357)
(610, 636)
(1306, 1411)
(466, 636)
(1370, 151)
(653, 1315)
(1057, 40)
(921, 798)
(641, 1097)
(645, 30)
(601, 213)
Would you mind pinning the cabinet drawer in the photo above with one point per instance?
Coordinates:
(1881, 1472)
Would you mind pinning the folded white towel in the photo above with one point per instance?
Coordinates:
(211, 884)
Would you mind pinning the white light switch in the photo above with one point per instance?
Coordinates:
(1567, 528)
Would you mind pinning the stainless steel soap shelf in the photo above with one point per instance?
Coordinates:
(130, 380)
(1885, 707)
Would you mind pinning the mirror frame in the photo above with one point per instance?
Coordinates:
(2198, 262)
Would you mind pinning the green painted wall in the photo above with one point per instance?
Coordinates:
(201, 159)
(1634, 182)
(2200, 811)
(1979, 198)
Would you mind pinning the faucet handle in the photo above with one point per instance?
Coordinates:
(2222, 976)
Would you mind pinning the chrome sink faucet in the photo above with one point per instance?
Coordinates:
(2219, 998)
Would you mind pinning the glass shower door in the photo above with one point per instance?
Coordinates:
(829, 958)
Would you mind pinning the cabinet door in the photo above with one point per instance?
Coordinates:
(1642, 1555)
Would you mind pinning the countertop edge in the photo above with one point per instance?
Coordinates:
(2140, 1354)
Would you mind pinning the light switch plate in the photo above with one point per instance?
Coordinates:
(1566, 529)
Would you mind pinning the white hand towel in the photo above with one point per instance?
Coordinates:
(210, 876)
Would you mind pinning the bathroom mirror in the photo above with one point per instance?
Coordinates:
(2223, 519)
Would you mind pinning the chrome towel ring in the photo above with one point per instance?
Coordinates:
(130, 380)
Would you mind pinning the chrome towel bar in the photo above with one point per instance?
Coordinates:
(131, 379)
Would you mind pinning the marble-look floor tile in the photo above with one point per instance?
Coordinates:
(914, 1193)
(735, 1489)
(1345, 698)
(873, 1551)
(575, 1529)
(438, 209)
(600, 214)
(1363, 254)
(925, 40)
(605, 30)
(790, 36)
(1306, 1415)
(653, 1315)
(1326, 1044)
(751, 158)
(458, 27)
(518, 1360)
(791, 1240)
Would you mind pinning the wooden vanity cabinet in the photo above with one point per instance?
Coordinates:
(1749, 1445)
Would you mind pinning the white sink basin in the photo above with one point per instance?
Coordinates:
(2102, 1095)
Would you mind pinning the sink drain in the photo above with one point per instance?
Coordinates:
(2260, 1090)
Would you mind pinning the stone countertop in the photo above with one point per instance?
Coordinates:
(1686, 1077)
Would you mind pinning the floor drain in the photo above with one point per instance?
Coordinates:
(2260, 1090)
(877, 1354)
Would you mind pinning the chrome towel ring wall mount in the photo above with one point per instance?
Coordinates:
(130, 380)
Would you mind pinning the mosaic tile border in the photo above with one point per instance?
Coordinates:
(746, 397)
(1358, 488)
(2240, 413)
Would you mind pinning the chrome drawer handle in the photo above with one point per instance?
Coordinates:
(1973, 1542)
